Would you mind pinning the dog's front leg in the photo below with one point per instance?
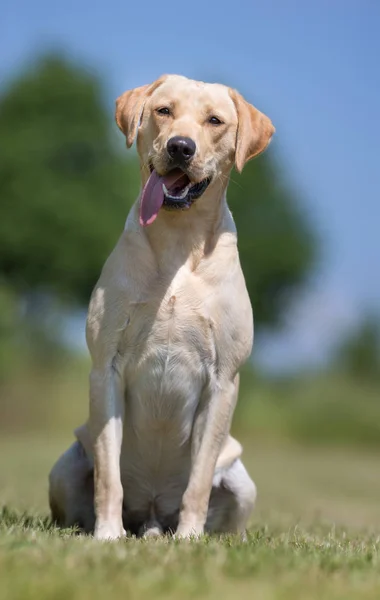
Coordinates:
(211, 427)
(106, 422)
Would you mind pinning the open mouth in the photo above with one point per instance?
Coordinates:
(181, 193)
(173, 191)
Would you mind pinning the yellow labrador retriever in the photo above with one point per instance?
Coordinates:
(169, 326)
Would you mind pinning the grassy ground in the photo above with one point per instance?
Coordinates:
(38, 562)
(315, 534)
(312, 446)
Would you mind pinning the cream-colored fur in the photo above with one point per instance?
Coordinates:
(169, 326)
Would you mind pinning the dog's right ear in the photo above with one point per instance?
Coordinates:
(130, 106)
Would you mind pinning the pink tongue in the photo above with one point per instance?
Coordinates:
(152, 196)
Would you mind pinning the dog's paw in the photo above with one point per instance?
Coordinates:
(109, 531)
(188, 530)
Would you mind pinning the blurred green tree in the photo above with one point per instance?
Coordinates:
(66, 188)
(277, 244)
(359, 354)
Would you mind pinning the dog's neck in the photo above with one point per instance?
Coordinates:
(179, 237)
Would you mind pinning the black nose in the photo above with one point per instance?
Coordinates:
(181, 149)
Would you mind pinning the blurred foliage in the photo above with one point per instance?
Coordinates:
(66, 189)
(359, 354)
(28, 341)
(8, 327)
(322, 408)
(277, 245)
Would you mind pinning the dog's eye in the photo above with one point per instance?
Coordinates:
(215, 121)
(163, 111)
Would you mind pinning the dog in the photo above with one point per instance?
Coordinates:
(169, 325)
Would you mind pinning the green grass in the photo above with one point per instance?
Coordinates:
(315, 535)
(37, 562)
(312, 447)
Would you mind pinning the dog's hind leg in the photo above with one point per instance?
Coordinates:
(71, 490)
(232, 500)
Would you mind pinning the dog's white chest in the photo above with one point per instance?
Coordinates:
(169, 354)
(171, 340)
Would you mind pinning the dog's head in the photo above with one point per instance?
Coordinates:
(190, 134)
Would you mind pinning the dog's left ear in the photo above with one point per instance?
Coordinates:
(129, 108)
(254, 131)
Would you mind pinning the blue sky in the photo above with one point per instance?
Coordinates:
(313, 67)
